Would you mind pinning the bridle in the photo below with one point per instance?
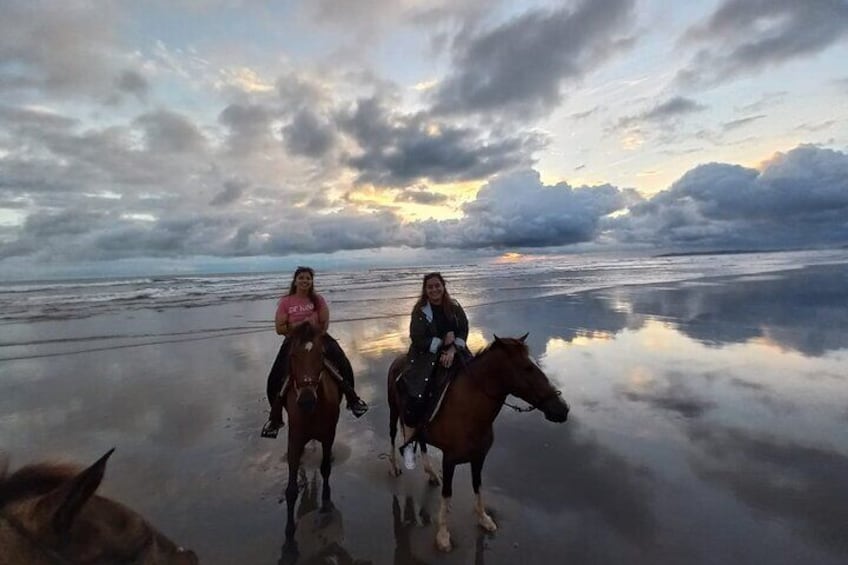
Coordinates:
(306, 382)
(531, 405)
(56, 558)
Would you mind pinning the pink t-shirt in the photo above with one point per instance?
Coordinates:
(298, 308)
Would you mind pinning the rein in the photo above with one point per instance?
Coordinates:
(532, 407)
(57, 558)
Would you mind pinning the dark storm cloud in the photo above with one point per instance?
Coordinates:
(521, 67)
(789, 481)
(798, 199)
(517, 210)
(308, 135)
(747, 36)
(398, 149)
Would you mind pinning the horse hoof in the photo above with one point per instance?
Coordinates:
(443, 541)
(488, 524)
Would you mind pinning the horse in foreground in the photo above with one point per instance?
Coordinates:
(312, 400)
(50, 515)
(462, 428)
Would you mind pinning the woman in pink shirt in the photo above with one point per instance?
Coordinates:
(302, 305)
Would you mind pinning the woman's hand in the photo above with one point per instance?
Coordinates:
(449, 338)
(446, 358)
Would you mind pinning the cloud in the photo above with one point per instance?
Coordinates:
(517, 210)
(168, 132)
(308, 135)
(399, 149)
(132, 82)
(73, 51)
(747, 36)
(233, 190)
(420, 196)
(249, 127)
(520, 67)
(798, 199)
(741, 122)
(664, 112)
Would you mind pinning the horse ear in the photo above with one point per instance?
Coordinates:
(65, 502)
(522, 338)
(497, 339)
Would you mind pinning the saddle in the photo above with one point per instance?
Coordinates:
(423, 383)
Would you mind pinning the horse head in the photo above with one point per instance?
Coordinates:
(525, 379)
(51, 514)
(307, 365)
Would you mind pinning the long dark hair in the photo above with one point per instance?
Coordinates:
(293, 286)
(447, 301)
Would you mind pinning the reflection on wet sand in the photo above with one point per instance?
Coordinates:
(407, 523)
(319, 537)
(708, 426)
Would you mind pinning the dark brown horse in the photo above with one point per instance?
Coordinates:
(312, 401)
(50, 515)
(462, 429)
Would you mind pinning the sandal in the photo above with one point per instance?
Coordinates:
(358, 407)
(271, 429)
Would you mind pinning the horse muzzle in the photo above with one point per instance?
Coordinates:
(307, 399)
(555, 409)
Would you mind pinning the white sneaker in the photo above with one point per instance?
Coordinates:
(409, 457)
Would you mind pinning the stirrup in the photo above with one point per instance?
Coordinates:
(271, 429)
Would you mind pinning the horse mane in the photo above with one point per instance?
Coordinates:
(501, 341)
(304, 332)
(35, 480)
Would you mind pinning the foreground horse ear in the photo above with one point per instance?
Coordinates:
(522, 338)
(497, 339)
(65, 502)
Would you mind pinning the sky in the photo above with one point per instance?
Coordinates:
(205, 134)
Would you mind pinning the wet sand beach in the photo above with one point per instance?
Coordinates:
(708, 426)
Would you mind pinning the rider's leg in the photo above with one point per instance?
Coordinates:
(341, 366)
(277, 380)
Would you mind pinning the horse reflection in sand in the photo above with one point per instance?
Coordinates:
(462, 429)
(312, 401)
(321, 534)
(50, 514)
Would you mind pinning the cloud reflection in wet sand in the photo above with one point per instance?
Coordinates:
(704, 416)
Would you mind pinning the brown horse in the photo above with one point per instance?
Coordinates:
(462, 429)
(312, 401)
(50, 515)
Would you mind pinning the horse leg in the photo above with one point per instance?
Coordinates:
(326, 467)
(294, 453)
(393, 421)
(483, 518)
(433, 477)
(443, 541)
